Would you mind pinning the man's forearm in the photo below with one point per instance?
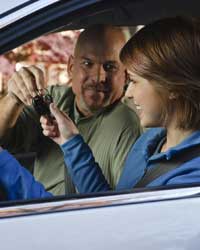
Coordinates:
(10, 110)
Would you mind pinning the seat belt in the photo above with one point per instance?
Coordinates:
(165, 166)
(69, 186)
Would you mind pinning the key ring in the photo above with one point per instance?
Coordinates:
(41, 102)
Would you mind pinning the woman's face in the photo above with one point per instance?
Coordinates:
(147, 101)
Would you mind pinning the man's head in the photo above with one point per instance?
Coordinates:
(98, 76)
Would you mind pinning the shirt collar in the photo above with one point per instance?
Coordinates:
(78, 116)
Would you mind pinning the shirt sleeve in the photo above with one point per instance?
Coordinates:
(85, 172)
(25, 135)
(17, 181)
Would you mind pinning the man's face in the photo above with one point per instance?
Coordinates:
(98, 76)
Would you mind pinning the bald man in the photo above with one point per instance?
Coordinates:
(93, 103)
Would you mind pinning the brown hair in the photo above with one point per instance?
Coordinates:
(167, 53)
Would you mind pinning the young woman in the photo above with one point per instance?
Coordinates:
(163, 62)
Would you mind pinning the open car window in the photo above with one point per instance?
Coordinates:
(65, 27)
(28, 30)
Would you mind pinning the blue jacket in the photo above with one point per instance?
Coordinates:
(17, 181)
(87, 175)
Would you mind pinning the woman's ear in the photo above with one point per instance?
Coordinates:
(70, 66)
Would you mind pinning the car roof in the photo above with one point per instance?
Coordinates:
(27, 20)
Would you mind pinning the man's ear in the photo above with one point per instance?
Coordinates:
(70, 65)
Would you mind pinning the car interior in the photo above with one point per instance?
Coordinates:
(70, 16)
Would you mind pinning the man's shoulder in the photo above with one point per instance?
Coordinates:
(60, 90)
(123, 114)
(62, 95)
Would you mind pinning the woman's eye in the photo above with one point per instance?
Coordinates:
(132, 81)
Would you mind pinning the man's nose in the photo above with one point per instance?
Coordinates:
(101, 74)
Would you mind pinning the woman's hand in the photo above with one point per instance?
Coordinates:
(60, 128)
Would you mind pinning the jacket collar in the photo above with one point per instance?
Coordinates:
(156, 135)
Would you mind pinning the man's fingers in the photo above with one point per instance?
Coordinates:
(25, 83)
(39, 77)
(15, 85)
(29, 81)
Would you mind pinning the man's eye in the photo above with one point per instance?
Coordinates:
(87, 63)
(109, 67)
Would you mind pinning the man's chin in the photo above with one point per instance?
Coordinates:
(95, 105)
(95, 108)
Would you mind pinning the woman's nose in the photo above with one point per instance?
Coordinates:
(130, 91)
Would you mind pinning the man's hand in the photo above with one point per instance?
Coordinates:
(25, 83)
(59, 129)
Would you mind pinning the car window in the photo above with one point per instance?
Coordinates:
(11, 11)
(49, 51)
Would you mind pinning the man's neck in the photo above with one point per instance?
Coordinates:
(83, 112)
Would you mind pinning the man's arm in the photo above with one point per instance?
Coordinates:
(10, 110)
(22, 87)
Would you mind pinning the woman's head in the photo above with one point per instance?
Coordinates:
(167, 54)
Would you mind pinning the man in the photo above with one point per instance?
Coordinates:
(93, 103)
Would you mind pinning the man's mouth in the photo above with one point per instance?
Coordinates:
(97, 88)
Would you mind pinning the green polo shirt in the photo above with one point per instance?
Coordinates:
(109, 133)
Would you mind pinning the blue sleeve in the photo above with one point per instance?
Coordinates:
(17, 181)
(85, 172)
